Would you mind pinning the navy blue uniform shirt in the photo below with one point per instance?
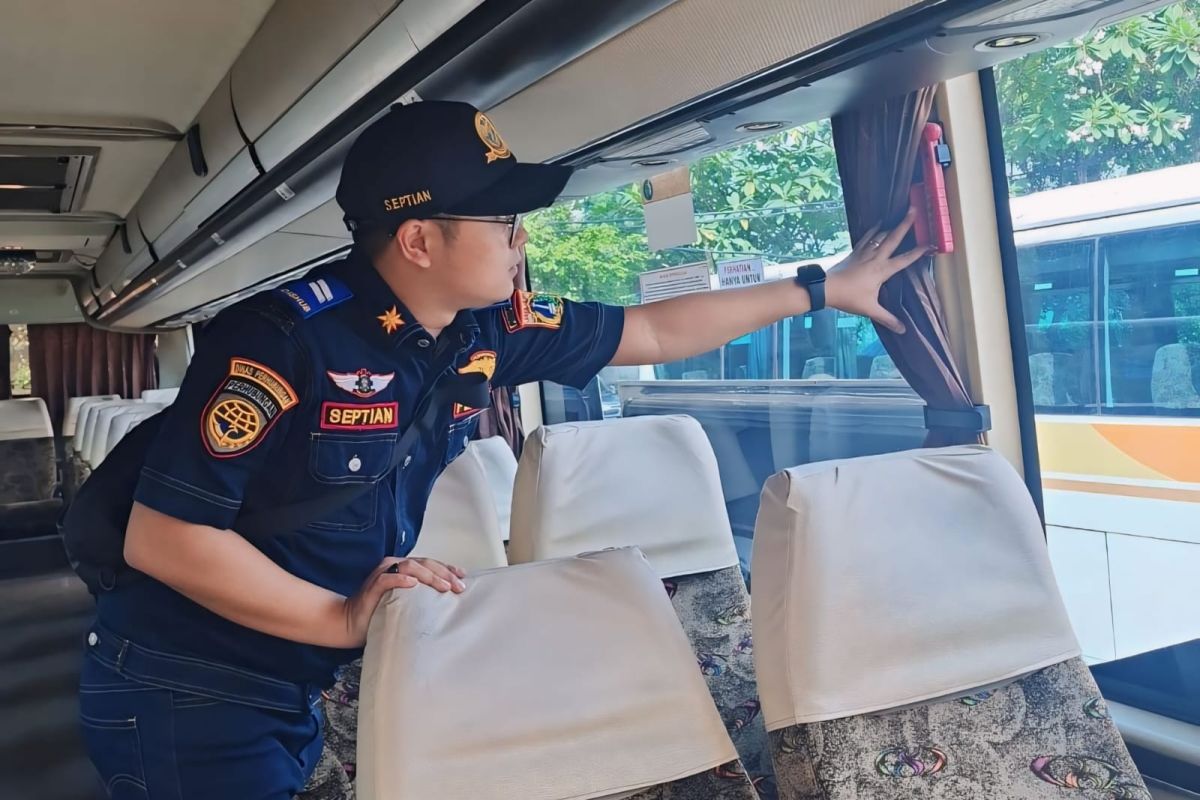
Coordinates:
(308, 387)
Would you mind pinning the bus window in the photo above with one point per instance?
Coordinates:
(1058, 297)
(1152, 322)
(1107, 227)
(807, 388)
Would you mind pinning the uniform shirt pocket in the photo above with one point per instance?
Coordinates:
(339, 459)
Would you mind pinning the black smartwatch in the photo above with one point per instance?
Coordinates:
(812, 278)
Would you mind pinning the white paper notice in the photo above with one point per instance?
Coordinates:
(746, 272)
(674, 281)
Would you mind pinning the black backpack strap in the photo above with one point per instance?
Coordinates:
(471, 389)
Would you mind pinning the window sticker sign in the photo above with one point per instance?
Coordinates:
(743, 272)
(675, 281)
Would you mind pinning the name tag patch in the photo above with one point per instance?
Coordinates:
(356, 417)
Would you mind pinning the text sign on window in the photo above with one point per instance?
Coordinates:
(674, 281)
(745, 272)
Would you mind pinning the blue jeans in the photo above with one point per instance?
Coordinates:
(164, 727)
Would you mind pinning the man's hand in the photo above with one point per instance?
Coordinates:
(853, 285)
(395, 573)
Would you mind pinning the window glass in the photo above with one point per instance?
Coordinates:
(19, 373)
(769, 400)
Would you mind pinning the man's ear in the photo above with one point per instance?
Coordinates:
(412, 241)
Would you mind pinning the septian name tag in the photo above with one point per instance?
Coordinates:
(357, 417)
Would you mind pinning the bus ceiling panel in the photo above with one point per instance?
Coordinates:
(258, 263)
(64, 232)
(306, 177)
(539, 39)
(919, 46)
(29, 301)
(211, 143)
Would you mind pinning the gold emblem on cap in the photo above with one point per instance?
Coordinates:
(391, 320)
(497, 149)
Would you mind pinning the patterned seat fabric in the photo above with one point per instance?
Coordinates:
(892, 668)
(28, 470)
(1045, 736)
(652, 482)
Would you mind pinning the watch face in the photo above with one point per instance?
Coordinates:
(810, 273)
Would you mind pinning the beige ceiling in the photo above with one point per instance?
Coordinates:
(116, 61)
(155, 59)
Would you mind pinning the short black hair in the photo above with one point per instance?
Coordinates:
(373, 241)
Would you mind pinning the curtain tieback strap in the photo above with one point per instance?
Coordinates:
(977, 419)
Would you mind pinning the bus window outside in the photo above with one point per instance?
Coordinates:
(1101, 157)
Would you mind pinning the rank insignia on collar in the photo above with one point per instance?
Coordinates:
(362, 383)
(391, 320)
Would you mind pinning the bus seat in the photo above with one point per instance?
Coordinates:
(821, 367)
(567, 678)
(884, 368)
(500, 466)
(911, 640)
(78, 468)
(83, 411)
(97, 441)
(461, 526)
(1175, 380)
(28, 469)
(122, 423)
(164, 396)
(650, 482)
(74, 404)
(1055, 379)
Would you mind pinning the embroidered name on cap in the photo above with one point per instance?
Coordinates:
(355, 417)
(244, 408)
(407, 200)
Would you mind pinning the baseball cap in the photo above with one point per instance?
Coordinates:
(438, 157)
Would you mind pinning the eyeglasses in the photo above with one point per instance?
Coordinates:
(511, 220)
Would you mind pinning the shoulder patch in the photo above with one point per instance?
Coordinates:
(312, 296)
(244, 408)
(533, 310)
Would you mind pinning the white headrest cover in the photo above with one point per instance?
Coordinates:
(123, 422)
(501, 467)
(74, 404)
(461, 526)
(99, 425)
(648, 482)
(87, 422)
(25, 418)
(560, 679)
(164, 396)
(886, 581)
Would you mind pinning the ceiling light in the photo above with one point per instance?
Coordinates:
(759, 127)
(1009, 41)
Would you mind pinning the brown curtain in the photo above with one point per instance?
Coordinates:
(877, 151)
(78, 360)
(5, 363)
(502, 418)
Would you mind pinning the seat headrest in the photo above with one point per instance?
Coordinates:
(86, 423)
(501, 467)
(561, 679)
(461, 526)
(164, 396)
(74, 405)
(98, 425)
(885, 581)
(25, 418)
(122, 422)
(648, 482)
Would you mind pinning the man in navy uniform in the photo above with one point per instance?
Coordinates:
(202, 680)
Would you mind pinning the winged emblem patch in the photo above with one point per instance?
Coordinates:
(362, 383)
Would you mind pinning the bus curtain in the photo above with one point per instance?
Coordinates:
(77, 360)
(877, 150)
